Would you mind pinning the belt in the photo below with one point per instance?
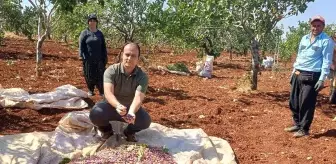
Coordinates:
(297, 72)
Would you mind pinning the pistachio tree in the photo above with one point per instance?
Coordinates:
(257, 18)
(17, 18)
(197, 24)
(290, 45)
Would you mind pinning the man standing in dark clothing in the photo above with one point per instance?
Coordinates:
(92, 50)
(311, 68)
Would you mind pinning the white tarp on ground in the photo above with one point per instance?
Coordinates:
(74, 137)
(63, 97)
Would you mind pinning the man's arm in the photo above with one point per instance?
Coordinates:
(139, 95)
(327, 53)
(137, 101)
(81, 44)
(109, 94)
(104, 50)
(109, 80)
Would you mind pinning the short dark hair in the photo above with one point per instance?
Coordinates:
(92, 16)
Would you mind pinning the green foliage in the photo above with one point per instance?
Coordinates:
(293, 37)
(209, 26)
(216, 25)
(258, 19)
(178, 67)
(69, 5)
(2, 34)
(69, 26)
(11, 13)
(29, 21)
(195, 24)
(119, 20)
(330, 29)
(165, 149)
(271, 42)
(17, 18)
(65, 161)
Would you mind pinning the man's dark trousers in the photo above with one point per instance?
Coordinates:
(303, 97)
(103, 112)
(94, 74)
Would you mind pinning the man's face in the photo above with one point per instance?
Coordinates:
(334, 37)
(316, 27)
(92, 23)
(130, 57)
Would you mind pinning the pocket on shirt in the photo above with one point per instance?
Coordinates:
(316, 48)
(303, 47)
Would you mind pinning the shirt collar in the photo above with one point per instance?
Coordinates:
(134, 72)
(317, 37)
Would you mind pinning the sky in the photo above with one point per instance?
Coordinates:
(325, 8)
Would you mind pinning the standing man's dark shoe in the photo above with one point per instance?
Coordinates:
(292, 129)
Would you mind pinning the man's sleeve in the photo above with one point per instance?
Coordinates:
(104, 50)
(327, 53)
(82, 46)
(109, 75)
(143, 84)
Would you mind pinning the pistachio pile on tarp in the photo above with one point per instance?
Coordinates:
(136, 153)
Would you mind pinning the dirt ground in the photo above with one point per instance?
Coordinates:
(252, 122)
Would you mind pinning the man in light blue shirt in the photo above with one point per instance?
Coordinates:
(311, 68)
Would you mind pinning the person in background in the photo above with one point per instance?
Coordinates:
(332, 95)
(311, 68)
(93, 53)
(125, 85)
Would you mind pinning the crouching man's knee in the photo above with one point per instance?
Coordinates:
(143, 119)
(147, 122)
(99, 114)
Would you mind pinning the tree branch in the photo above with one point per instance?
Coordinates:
(119, 29)
(32, 3)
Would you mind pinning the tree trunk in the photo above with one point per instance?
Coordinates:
(49, 34)
(39, 55)
(65, 38)
(38, 58)
(39, 44)
(255, 63)
(230, 53)
(38, 49)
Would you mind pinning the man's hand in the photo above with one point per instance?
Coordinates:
(130, 118)
(121, 109)
(319, 86)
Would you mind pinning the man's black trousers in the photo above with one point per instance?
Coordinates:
(303, 97)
